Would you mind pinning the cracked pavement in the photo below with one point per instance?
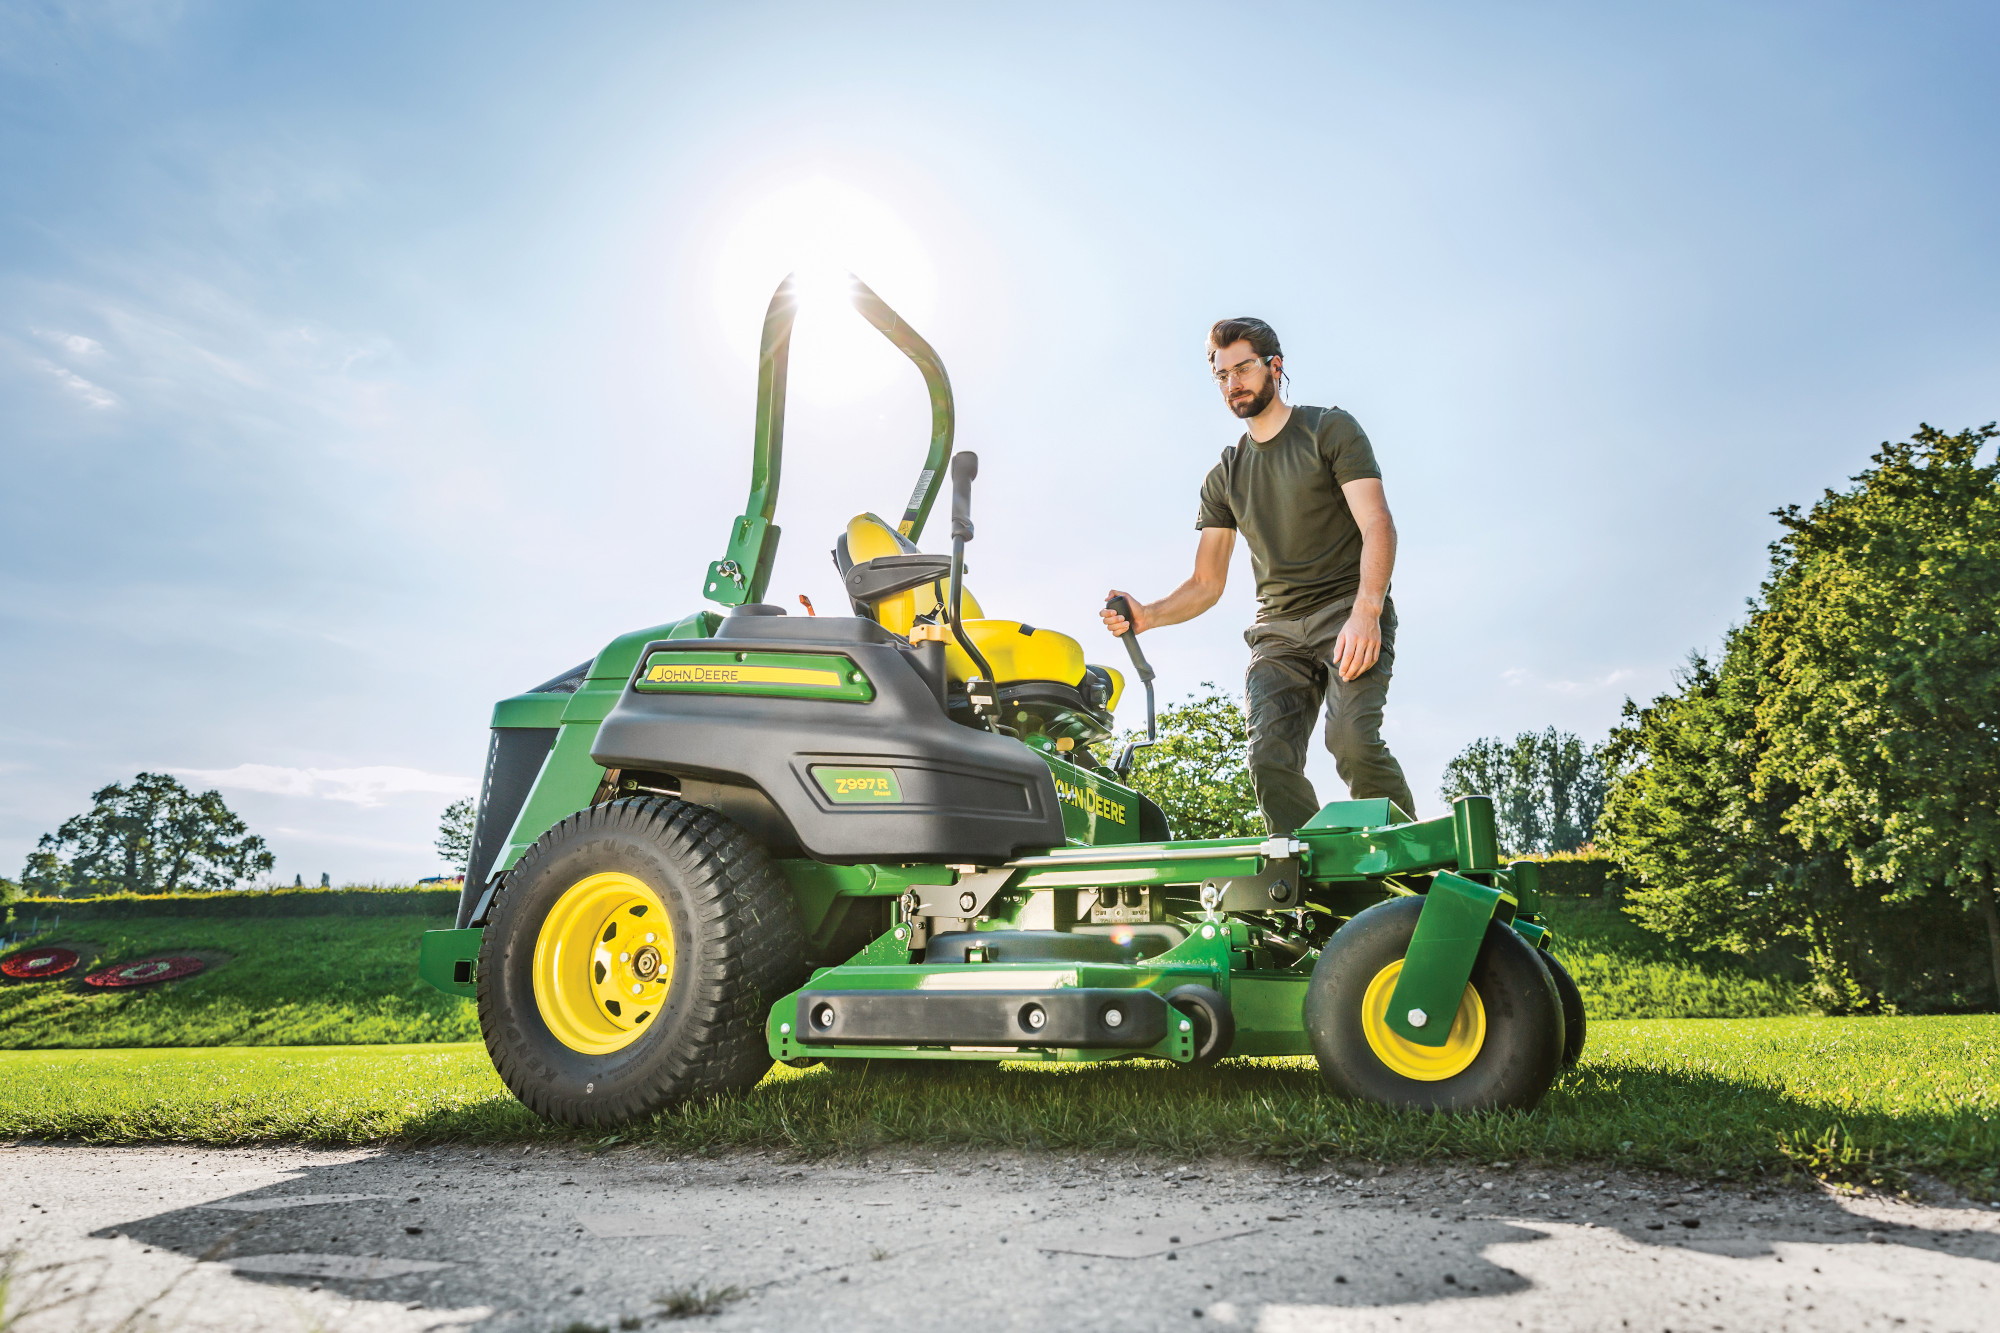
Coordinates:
(177, 1237)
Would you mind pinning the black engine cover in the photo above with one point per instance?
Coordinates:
(968, 796)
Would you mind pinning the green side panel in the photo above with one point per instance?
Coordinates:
(449, 960)
(1345, 816)
(569, 778)
(1442, 952)
(816, 884)
(1095, 810)
(621, 655)
(771, 675)
(530, 710)
(1270, 1013)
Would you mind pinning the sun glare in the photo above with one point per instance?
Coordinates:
(823, 231)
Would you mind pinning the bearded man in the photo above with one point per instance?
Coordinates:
(1303, 487)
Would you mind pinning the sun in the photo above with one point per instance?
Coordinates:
(823, 229)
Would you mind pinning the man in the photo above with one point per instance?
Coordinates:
(1303, 488)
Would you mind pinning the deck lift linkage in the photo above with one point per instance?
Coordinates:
(903, 834)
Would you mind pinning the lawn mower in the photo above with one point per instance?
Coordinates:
(908, 834)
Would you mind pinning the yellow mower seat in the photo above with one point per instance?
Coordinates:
(1017, 652)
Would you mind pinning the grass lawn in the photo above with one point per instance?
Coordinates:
(1850, 1098)
(271, 981)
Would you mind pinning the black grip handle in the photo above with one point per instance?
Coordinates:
(964, 467)
(1131, 635)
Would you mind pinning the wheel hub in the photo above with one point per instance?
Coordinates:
(604, 962)
(1425, 1064)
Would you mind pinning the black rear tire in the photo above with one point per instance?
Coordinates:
(737, 946)
(1523, 1041)
(1574, 1022)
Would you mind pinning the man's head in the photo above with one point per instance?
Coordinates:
(1248, 363)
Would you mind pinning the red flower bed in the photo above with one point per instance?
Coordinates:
(144, 972)
(34, 964)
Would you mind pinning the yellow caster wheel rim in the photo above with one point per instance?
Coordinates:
(604, 961)
(1425, 1064)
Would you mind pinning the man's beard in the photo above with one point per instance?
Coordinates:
(1258, 402)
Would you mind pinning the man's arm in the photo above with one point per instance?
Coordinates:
(1202, 590)
(1360, 641)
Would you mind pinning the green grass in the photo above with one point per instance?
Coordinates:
(286, 981)
(1851, 1098)
(1625, 971)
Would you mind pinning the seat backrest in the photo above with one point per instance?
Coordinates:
(868, 537)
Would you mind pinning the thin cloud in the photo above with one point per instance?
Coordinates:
(75, 343)
(1522, 677)
(369, 786)
(77, 384)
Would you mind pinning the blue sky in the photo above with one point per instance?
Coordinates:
(362, 364)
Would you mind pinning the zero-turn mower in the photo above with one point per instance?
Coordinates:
(905, 834)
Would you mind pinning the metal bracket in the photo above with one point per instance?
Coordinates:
(1440, 959)
(1276, 888)
(966, 900)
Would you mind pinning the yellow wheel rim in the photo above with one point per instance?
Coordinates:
(603, 963)
(1426, 1064)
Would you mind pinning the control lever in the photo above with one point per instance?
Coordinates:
(1144, 669)
(984, 692)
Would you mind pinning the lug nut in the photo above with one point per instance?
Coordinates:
(1418, 1018)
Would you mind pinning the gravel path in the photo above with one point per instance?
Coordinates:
(281, 1239)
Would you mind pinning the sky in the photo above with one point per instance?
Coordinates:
(363, 364)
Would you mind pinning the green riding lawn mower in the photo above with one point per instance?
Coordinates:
(905, 834)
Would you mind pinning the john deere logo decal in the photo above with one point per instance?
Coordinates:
(673, 673)
(1089, 801)
(774, 675)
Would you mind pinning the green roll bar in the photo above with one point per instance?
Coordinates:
(745, 569)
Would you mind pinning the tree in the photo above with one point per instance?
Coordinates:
(1831, 779)
(454, 839)
(1882, 683)
(154, 836)
(1199, 773)
(1547, 787)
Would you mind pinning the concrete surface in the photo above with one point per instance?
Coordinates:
(502, 1239)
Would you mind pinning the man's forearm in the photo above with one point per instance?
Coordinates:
(1378, 562)
(1183, 603)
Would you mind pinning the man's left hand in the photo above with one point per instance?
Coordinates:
(1358, 645)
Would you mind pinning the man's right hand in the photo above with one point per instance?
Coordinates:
(1116, 623)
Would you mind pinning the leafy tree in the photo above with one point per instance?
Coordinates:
(1882, 682)
(1547, 787)
(154, 836)
(1836, 768)
(454, 839)
(1199, 773)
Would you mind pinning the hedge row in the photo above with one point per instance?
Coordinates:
(1580, 875)
(242, 903)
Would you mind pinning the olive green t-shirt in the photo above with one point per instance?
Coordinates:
(1284, 497)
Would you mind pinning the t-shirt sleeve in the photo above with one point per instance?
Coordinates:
(1345, 447)
(1215, 511)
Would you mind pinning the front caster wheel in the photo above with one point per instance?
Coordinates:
(630, 959)
(1505, 1043)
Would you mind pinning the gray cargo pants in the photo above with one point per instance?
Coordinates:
(1291, 674)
